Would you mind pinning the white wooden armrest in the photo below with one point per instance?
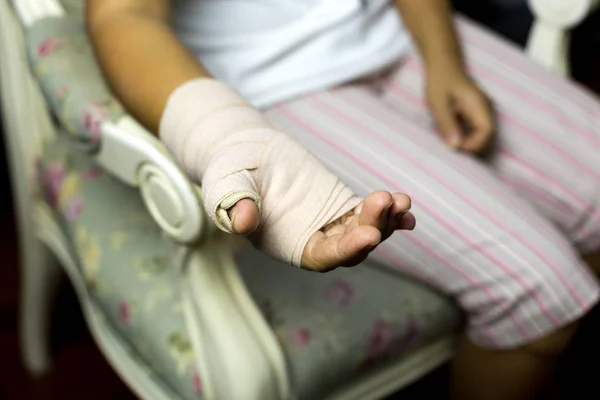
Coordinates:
(137, 158)
(548, 41)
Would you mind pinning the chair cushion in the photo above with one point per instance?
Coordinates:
(124, 261)
(332, 326)
(64, 64)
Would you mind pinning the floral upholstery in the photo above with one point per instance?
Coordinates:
(59, 55)
(124, 261)
(332, 326)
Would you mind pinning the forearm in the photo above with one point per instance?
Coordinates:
(142, 60)
(431, 24)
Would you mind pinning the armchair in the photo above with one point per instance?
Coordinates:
(179, 309)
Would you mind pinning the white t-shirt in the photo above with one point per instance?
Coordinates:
(273, 50)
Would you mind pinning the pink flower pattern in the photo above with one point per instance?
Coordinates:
(380, 338)
(62, 91)
(300, 337)
(48, 46)
(92, 173)
(125, 313)
(92, 118)
(385, 340)
(414, 328)
(197, 382)
(52, 181)
(74, 208)
(341, 292)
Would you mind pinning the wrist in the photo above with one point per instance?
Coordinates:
(199, 113)
(448, 65)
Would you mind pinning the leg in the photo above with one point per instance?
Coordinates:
(543, 122)
(40, 275)
(522, 373)
(549, 139)
(548, 132)
(474, 240)
(593, 261)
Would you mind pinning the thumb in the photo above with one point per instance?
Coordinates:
(244, 216)
(447, 123)
(232, 202)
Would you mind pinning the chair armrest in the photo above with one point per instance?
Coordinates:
(137, 158)
(549, 37)
(64, 65)
(235, 350)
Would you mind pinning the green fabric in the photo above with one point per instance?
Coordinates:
(74, 8)
(124, 261)
(63, 63)
(333, 326)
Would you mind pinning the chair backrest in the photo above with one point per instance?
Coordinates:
(28, 124)
(26, 119)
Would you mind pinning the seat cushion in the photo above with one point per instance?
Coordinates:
(333, 326)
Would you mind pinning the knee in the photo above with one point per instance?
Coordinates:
(593, 262)
(537, 310)
(553, 345)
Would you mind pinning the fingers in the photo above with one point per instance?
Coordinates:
(399, 216)
(386, 212)
(446, 121)
(244, 216)
(324, 253)
(463, 113)
(401, 204)
(375, 210)
(477, 111)
(408, 222)
(348, 243)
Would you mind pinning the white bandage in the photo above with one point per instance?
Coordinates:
(234, 153)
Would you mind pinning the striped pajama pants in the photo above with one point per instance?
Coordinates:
(504, 235)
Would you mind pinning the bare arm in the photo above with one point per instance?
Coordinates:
(430, 23)
(140, 55)
(462, 111)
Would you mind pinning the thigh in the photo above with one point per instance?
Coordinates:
(548, 131)
(510, 269)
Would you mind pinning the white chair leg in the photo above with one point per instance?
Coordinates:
(40, 275)
(26, 123)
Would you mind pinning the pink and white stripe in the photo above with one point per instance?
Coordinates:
(504, 236)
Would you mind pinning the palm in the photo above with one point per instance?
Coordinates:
(348, 241)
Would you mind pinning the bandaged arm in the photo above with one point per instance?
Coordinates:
(213, 133)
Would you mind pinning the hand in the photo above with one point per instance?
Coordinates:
(462, 111)
(347, 241)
